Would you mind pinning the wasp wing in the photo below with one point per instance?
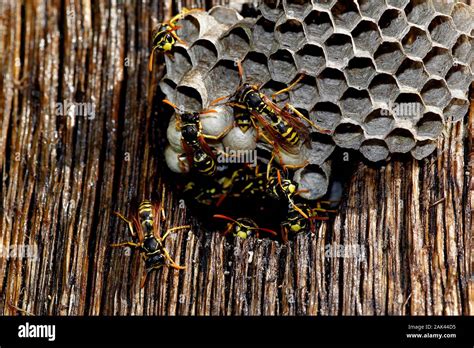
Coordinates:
(292, 120)
(274, 135)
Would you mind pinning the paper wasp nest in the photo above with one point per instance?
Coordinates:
(384, 76)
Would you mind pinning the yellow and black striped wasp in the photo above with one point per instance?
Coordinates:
(209, 193)
(280, 186)
(165, 37)
(243, 227)
(283, 125)
(198, 152)
(145, 228)
(245, 181)
(295, 222)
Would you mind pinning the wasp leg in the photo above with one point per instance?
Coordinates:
(130, 224)
(122, 244)
(177, 38)
(173, 264)
(289, 88)
(219, 136)
(184, 12)
(311, 123)
(294, 166)
(173, 230)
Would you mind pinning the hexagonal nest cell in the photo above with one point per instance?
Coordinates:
(443, 31)
(383, 88)
(419, 11)
(408, 107)
(456, 110)
(327, 115)
(190, 29)
(423, 149)
(349, 136)
(290, 33)
(282, 66)
(236, 43)
(263, 35)
(310, 59)
(204, 54)
(270, 9)
(313, 181)
(438, 61)
(412, 74)
(459, 77)
(272, 86)
(400, 141)
(374, 150)
(297, 8)
(322, 147)
(372, 8)
(388, 57)
(430, 126)
(179, 65)
(463, 49)
(356, 104)
(324, 4)
(339, 49)
(366, 36)
(436, 93)
(462, 17)
(359, 72)
(416, 43)
(393, 23)
(332, 84)
(222, 79)
(346, 14)
(189, 98)
(318, 26)
(255, 67)
(305, 94)
(379, 123)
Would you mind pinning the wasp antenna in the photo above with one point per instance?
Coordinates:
(221, 199)
(210, 111)
(279, 178)
(215, 101)
(268, 231)
(241, 72)
(150, 61)
(224, 217)
(166, 101)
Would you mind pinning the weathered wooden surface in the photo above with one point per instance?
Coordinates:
(62, 178)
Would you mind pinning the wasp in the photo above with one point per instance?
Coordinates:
(280, 186)
(165, 37)
(210, 193)
(246, 181)
(243, 227)
(283, 125)
(295, 222)
(145, 228)
(198, 152)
